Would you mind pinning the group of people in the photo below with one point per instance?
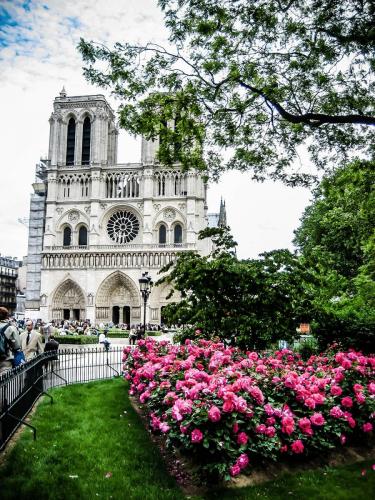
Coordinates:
(17, 348)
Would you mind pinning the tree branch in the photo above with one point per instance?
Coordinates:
(311, 119)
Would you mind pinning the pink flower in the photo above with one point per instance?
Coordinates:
(234, 470)
(347, 402)
(297, 446)
(196, 436)
(228, 406)
(310, 403)
(367, 427)
(164, 427)
(243, 461)
(363, 472)
(305, 425)
(358, 387)
(336, 390)
(342, 439)
(373, 466)
(336, 412)
(214, 414)
(184, 429)
(371, 388)
(360, 397)
(242, 438)
(260, 429)
(284, 448)
(287, 425)
(270, 432)
(317, 419)
(235, 427)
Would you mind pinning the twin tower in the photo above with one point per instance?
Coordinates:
(97, 225)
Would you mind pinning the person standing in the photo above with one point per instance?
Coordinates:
(11, 341)
(31, 341)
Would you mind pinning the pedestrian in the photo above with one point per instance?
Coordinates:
(10, 344)
(51, 345)
(31, 341)
(103, 340)
(132, 336)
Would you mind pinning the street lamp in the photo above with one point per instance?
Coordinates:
(145, 285)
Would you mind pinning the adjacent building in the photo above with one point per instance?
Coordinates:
(8, 283)
(96, 225)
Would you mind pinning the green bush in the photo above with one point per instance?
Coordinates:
(118, 334)
(76, 339)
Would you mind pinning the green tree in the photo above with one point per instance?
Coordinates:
(252, 303)
(337, 243)
(258, 78)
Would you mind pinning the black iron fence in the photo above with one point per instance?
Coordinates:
(22, 386)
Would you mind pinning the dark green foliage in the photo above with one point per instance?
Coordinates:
(76, 339)
(248, 302)
(337, 242)
(258, 78)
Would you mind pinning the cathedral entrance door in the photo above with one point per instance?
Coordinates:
(66, 313)
(126, 315)
(116, 315)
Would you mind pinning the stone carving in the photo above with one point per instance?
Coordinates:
(157, 206)
(43, 300)
(140, 206)
(182, 206)
(90, 299)
(59, 210)
(88, 209)
(73, 216)
(103, 206)
(169, 214)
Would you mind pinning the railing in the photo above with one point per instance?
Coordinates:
(22, 386)
(127, 246)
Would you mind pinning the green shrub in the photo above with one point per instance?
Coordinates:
(118, 334)
(76, 339)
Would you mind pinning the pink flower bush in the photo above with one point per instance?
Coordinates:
(224, 405)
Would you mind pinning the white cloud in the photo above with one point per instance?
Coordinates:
(38, 56)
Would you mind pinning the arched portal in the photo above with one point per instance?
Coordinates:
(118, 300)
(68, 302)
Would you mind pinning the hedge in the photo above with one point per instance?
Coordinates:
(76, 339)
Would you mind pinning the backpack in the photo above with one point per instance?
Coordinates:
(3, 341)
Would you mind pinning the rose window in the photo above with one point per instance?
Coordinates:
(122, 226)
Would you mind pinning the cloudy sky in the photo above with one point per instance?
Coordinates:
(38, 57)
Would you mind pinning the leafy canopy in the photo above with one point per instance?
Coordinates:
(258, 78)
(250, 302)
(337, 243)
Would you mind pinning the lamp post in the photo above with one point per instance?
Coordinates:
(145, 285)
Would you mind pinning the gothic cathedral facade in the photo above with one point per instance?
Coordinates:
(97, 225)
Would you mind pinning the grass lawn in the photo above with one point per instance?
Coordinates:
(91, 432)
(339, 483)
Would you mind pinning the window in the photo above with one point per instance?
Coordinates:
(70, 142)
(178, 233)
(162, 234)
(67, 236)
(86, 138)
(82, 236)
(161, 186)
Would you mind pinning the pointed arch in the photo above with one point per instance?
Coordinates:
(117, 283)
(68, 299)
(70, 141)
(86, 141)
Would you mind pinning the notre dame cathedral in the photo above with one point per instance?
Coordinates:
(96, 225)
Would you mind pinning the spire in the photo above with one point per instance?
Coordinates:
(222, 214)
(63, 92)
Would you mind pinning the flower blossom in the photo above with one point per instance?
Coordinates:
(196, 436)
